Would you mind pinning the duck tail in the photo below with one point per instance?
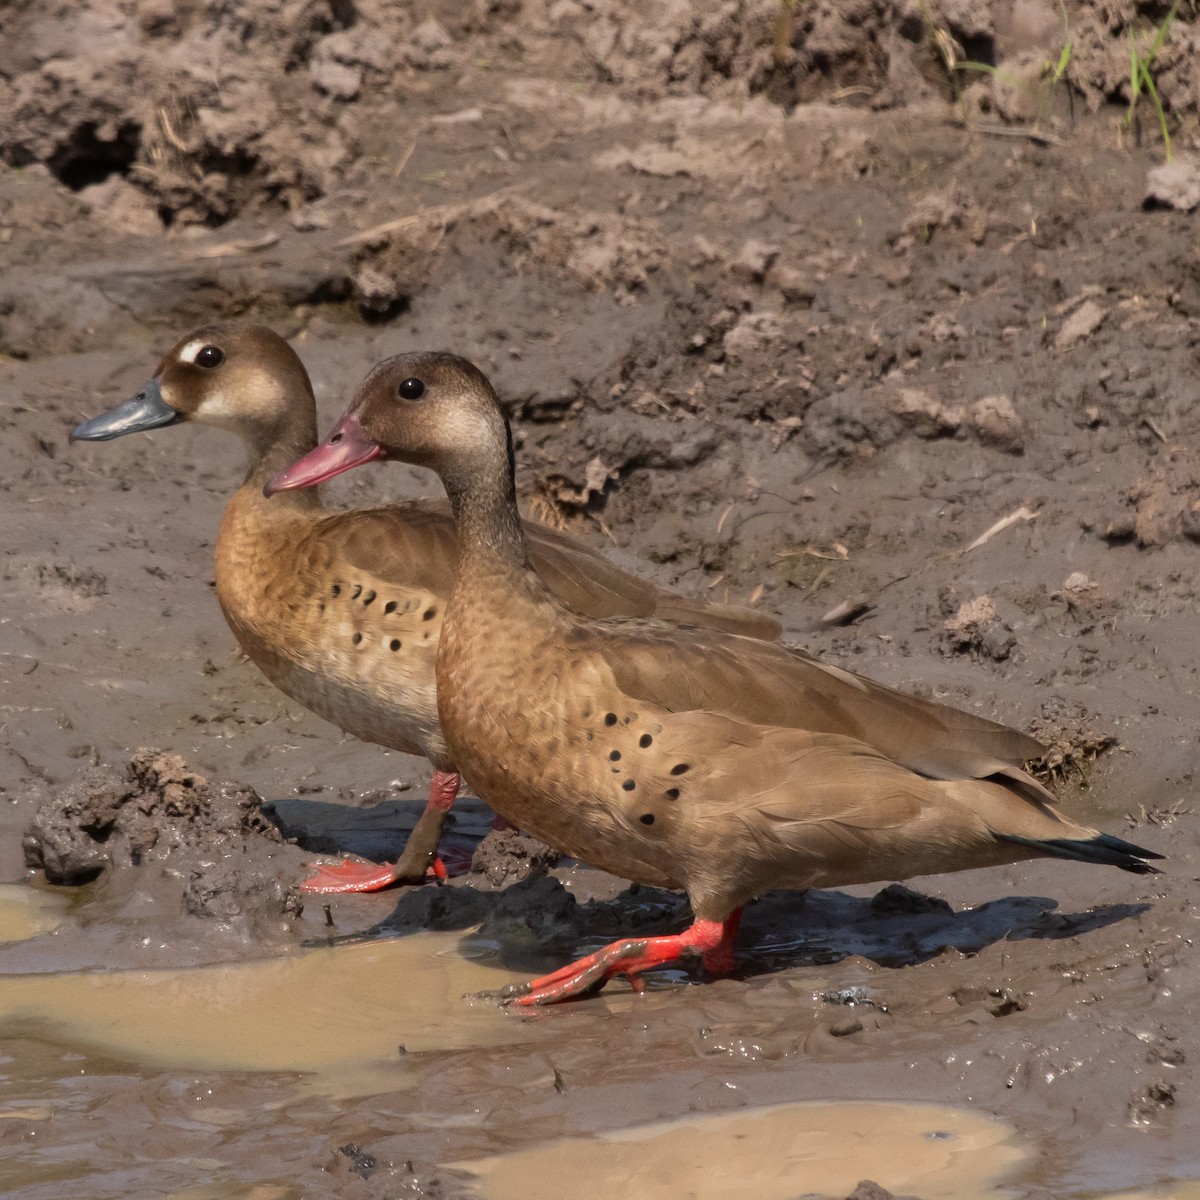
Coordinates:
(1103, 848)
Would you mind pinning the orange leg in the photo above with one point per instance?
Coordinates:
(420, 854)
(712, 940)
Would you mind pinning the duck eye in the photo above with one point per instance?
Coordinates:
(209, 356)
(411, 389)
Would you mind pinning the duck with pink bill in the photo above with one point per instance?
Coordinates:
(670, 754)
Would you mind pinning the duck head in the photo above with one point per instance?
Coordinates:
(431, 409)
(233, 375)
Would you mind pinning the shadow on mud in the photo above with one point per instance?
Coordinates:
(538, 923)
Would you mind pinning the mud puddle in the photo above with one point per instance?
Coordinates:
(346, 1015)
(25, 912)
(808, 1149)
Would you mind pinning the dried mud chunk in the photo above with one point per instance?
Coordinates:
(997, 423)
(754, 261)
(754, 334)
(1081, 324)
(977, 627)
(509, 856)
(122, 206)
(925, 415)
(390, 270)
(159, 810)
(1175, 184)
(1167, 501)
(935, 210)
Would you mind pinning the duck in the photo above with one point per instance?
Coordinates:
(342, 611)
(669, 754)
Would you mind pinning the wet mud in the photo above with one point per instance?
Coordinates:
(785, 315)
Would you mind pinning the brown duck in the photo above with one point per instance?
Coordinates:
(342, 611)
(673, 755)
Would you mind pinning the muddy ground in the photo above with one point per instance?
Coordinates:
(785, 315)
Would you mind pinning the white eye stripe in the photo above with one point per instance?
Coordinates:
(188, 353)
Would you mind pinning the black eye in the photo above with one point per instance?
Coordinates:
(210, 356)
(411, 389)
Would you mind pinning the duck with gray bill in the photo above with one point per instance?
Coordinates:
(343, 610)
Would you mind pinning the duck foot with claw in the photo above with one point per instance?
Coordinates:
(711, 940)
(413, 866)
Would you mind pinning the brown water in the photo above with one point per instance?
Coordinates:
(339, 1014)
(771, 1154)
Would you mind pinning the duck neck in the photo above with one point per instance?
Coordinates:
(270, 451)
(483, 498)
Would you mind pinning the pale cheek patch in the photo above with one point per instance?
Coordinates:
(216, 406)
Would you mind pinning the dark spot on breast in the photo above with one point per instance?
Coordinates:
(672, 793)
(368, 598)
(680, 768)
(320, 606)
(354, 595)
(395, 643)
(356, 638)
(429, 614)
(629, 785)
(647, 818)
(610, 718)
(645, 740)
(615, 756)
(390, 607)
(336, 590)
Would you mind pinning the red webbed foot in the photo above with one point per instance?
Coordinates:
(355, 875)
(711, 940)
(413, 866)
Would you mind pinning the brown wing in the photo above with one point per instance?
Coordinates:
(415, 546)
(685, 669)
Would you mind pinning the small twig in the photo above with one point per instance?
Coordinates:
(404, 159)
(1152, 425)
(443, 213)
(226, 249)
(1022, 514)
(848, 611)
(1033, 135)
(169, 133)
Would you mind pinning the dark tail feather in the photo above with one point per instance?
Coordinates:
(1103, 848)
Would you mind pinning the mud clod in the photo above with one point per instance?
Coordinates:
(896, 898)
(509, 856)
(158, 812)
